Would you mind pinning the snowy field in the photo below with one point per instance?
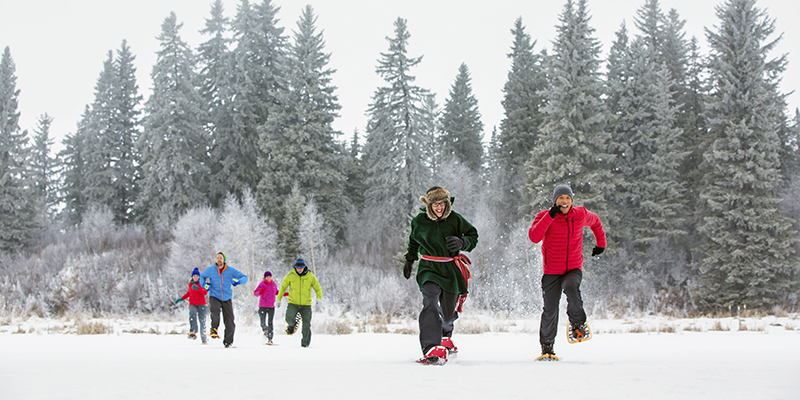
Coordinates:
(655, 358)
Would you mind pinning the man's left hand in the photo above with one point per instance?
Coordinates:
(235, 282)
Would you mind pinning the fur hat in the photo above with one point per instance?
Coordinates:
(562, 189)
(435, 195)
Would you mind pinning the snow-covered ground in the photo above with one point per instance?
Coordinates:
(654, 358)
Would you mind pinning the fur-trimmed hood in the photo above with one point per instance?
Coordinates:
(434, 195)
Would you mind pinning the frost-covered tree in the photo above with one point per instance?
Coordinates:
(315, 235)
(747, 257)
(573, 146)
(215, 66)
(289, 234)
(17, 208)
(520, 129)
(44, 170)
(297, 142)
(254, 81)
(647, 148)
(246, 237)
(109, 132)
(462, 129)
(355, 173)
(193, 239)
(397, 141)
(174, 145)
(73, 170)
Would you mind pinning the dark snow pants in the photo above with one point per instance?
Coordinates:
(438, 315)
(305, 312)
(266, 314)
(552, 286)
(226, 307)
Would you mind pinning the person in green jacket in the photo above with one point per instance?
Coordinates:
(438, 235)
(299, 281)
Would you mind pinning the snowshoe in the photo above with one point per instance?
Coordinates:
(579, 333)
(291, 329)
(214, 334)
(436, 355)
(192, 335)
(452, 350)
(228, 345)
(547, 353)
(270, 343)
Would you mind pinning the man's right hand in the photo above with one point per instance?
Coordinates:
(407, 269)
(554, 211)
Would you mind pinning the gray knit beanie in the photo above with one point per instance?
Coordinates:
(562, 189)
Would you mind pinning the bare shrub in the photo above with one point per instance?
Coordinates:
(92, 328)
(334, 326)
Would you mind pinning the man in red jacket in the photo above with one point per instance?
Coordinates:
(561, 228)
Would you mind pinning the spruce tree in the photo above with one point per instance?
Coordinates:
(73, 166)
(574, 145)
(520, 129)
(17, 212)
(44, 170)
(462, 129)
(395, 149)
(355, 172)
(298, 143)
(174, 145)
(126, 128)
(215, 66)
(647, 149)
(256, 76)
(747, 258)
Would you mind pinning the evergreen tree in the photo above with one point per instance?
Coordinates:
(289, 233)
(747, 257)
(397, 141)
(215, 69)
(173, 144)
(355, 172)
(255, 79)
(73, 167)
(126, 130)
(298, 141)
(44, 170)
(520, 129)
(573, 146)
(17, 222)
(462, 129)
(647, 149)
(112, 128)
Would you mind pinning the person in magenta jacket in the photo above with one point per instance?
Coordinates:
(266, 292)
(560, 229)
(197, 306)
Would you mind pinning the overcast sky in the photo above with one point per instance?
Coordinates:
(59, 46)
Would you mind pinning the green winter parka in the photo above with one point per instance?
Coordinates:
(428, 238)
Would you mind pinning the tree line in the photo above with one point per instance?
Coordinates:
(690, 160)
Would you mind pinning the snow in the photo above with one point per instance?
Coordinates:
(655, 358)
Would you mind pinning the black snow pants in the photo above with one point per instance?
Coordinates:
(226, 307)
(552, 286)
(437, 317)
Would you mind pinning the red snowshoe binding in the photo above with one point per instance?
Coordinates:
(436, 355)
(447, 343)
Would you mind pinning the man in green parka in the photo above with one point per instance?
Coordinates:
(438, 235)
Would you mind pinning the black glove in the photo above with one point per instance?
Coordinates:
(596, 251)
(409, 264)
(455, 243)
(554, 210)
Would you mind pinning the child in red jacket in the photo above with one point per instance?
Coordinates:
(266, 291)
(197, 306)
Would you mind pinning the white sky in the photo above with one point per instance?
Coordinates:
(59, 46)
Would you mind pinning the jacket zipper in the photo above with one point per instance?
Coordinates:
(569, 234)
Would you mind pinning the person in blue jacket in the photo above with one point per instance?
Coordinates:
(219, 279)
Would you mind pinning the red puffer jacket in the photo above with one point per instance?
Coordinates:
(197, 297)
(563, 238)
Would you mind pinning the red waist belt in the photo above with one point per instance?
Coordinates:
(463, 263)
